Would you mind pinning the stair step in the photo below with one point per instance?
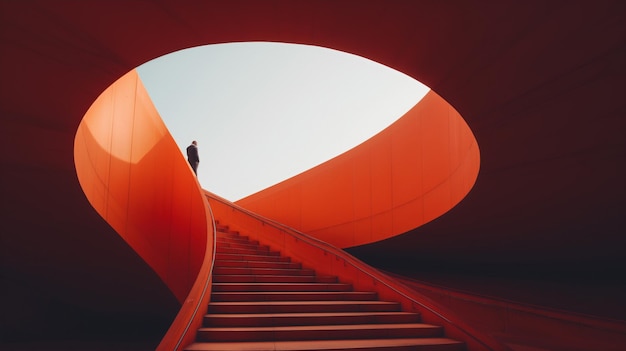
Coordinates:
(261, 271)
(262, 301)
(412, 344)
(257, 264)
(254, 251)
(273, 279)
(217, 287)
(242, 245)
(320, 332)
(301, 306)
(236, 240)
(224, 229)
(292, 296)
(231, 235)
(292, 319)
(248, 257)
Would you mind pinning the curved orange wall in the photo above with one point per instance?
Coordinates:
(134, 175)
(407, 175)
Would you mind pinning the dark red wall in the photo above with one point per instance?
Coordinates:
(540, 83)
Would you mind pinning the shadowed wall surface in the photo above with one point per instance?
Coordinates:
(540, 84)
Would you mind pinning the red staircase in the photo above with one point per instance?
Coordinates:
(263, 301)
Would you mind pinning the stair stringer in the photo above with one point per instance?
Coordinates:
(329, 260)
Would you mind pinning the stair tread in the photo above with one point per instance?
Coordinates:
(328, 327)
(251, 252)
(264, 301)
(320, 345)
(263, 271)
(248, 257)
(291, 318)
(272, 275)
(225, 261)
(309, 314)
(273, 279)
(256, 264)
(287, 284)
(295, 293)
(308, 302)
(279, 285)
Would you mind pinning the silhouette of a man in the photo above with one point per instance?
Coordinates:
(192, 156)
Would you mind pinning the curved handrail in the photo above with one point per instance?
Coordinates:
(187, 319)
(484, 342)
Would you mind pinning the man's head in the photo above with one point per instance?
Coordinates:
(194, 142)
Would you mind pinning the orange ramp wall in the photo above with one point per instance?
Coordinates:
(134, 175)
(407, 175)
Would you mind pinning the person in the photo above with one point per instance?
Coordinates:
(192, 156)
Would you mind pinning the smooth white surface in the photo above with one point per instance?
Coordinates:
(264, 112)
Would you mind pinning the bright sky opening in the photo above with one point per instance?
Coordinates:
(264, 112)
